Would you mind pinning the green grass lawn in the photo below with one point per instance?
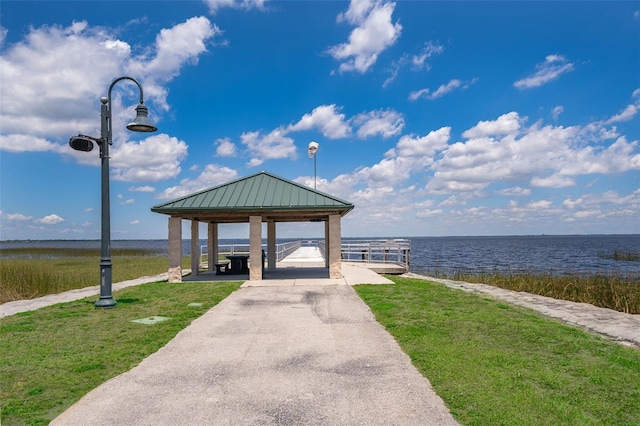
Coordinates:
(498, 364)
(492, 363)
(55, 355)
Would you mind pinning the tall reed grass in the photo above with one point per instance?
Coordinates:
(618, 292)
(31, 273)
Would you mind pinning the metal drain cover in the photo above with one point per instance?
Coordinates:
(150, 320)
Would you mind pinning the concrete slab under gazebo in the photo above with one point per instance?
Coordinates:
(256, 199)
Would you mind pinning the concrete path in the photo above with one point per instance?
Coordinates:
(621, 327)
(271, 355)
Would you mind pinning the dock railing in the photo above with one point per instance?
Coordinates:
(282, 250)
(394, 251)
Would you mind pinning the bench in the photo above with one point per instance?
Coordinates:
(222, 268)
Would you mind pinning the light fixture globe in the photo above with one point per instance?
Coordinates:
(142, 123)
(313, 148)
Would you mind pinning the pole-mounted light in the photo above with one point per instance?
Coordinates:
(312, 150)
(85, 143)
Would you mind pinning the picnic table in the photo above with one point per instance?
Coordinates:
(239, 264)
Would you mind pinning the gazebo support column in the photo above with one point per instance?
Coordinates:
(327, 248)
(175, 250)
(212, 246)
(271, 245)
(255, 248)
(195, 249)
(335, 266)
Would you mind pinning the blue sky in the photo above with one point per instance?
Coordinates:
(433, 118)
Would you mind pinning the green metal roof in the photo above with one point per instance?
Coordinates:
(259, 192)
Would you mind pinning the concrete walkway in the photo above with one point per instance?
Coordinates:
(621, 327)
(271, 355)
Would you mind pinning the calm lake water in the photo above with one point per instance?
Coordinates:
(446, 255)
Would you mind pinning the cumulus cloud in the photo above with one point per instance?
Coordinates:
(627, 114)
(52, 219)
(552, 68)
(385, 123)
(18, 217)
(212, 175)
(153, 159)
(215, 5)
(423, 146)
(47, 69)
(374, 33)
(503, 150)
(274, 145)
(145, 188)
(29, 143)
(514, 191)
(225, 148)
(327, 119)
(505, 124)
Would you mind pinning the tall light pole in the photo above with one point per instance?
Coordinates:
(85, 143)
(312, 150)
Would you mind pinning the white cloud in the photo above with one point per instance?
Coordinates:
(18, 217)
(48, 69)
(554, 181)
(557, 111)
(545, 156)
(385, 123)
(425, 146)
(275, 145)
(626, 115)
(134, 222)
(374, 33)
(552, 68)
(212, 175)
(225, 148)
(145, 188)
(52, 219)
(422, 93)
(417, 62)
(442, 90)
(325, 118)
(29, 143)
(514, 191)
(153, 159)
(215, 5)
(506, 124)
(174, 47)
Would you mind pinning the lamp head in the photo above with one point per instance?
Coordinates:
(141, 123)
(313, 148)
(81, 143)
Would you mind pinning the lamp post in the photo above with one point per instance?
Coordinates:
(312, 150)
(85, 143)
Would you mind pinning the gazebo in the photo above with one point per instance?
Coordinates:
(256, 199)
